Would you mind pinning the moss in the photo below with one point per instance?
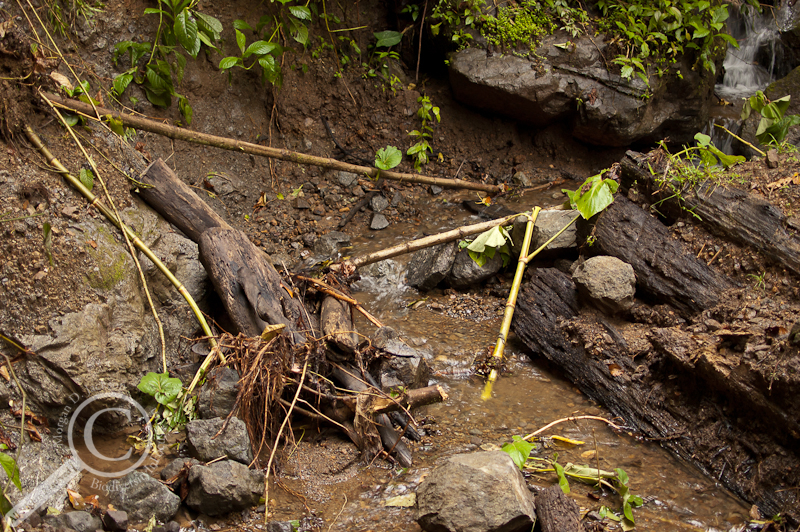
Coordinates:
(113, 262)
(518, 26)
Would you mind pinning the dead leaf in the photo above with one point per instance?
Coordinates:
(33, 433)
(76, 500)
(92, 243)
(586, 455)
(615, 370)
(791, 180)
(4, 373)
(61, 80)
(5, 26)
(754, 512)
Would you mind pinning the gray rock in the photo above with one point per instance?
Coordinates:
(378, 203)
(77, 521)
(328, 245)
(607, 282)
(436, 190)
(397, 199)
(466, 272)
(142, 497)
(223, 487)
(280, 526)
(300, 204)
(612, 111)
(773, 161)
(379, 222)
(173, 526)
(233, 442)
(346, 179)
(115, 520)
(218, 394)
(382, 336)
(406, 366)
(548, 223)
(428, 267)
(173, 468)
(521, 179)
(334, 200)
(475, 492)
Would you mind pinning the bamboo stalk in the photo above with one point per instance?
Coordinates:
(265, 151)
(508, 313)
(428, 241)
(734, 135)
(94, 201)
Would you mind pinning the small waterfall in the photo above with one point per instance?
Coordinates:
(750, 67)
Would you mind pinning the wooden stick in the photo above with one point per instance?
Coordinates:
(322, 286)
(428, 241)
(265, 151)
(410, 400)
(571, 418)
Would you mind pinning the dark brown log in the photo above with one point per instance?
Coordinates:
(556, 512)
(665, 271)
(248, 285)
(685, 392)
(176, 201)
(730, 212)
(336, 323)
(410, 399)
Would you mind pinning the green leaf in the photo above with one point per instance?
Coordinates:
(115, 125)
(299, 31)
(563, 483)
(702, 139)
(388, 157)
(211, 22)
(228, 62)
(11, 469)
(154, 11)
(301, 12)
(186, 109)
(161, 386)
(241, 25)
(627, 72)
(727, 38)
(185, 29)
(259, 48)
(593, 196)
(387, 39)
(121, 83)
(494, 238)
(519, 450)
(87, 178)
(241, 40)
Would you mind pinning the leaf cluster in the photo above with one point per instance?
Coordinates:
(169, 393)
(421, 149)
(774, 124)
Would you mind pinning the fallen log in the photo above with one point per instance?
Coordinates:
(729, 212)
(664, 270)
(205, 139)
(556, 512)
(686, 395)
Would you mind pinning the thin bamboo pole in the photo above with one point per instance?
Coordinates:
(94, 201)
(508, 313)
(264, 151)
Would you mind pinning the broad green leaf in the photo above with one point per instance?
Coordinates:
(299, 31)
(228, 62)
(585, 473)
(479, 258)
(115, 125)
(593, 196)
(87, 178)
(259, 48)
(161, 386)
(185, 28)
(301, 12)
(388, 157)
(563, 483)
(241, 25)
(121, 83)
(241, 40)
(387, 39)
(495, 238)
(11, 469)
(702, 139)
(211, 22)
(627, 71)
(727, 38)
(186, 109)
(519, 450)
(726, 160)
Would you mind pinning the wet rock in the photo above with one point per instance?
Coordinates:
(142, 497)
(612, 111)
(473, 493)
(233, 442)
(428, 267)
(548, 223)
(378, 203)
(218, 395)
(607, 282)
(300, 204)
(223, 487)
(382, 336)
(280, 526)
(379, 222)
(436, 190)
(115, 520)
(77, 521)
(405, 366)
(397, 199)
(334, 200)
(309, 239)
(521, 179)
(173, 526)
(466, 272)
(328, 245)
(346, 179)
(174, 468)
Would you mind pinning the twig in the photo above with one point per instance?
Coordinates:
(571, 418)
(419, 48)
(428, 241)
(331, 291)
(740, 139)
(264, 151)
(275, 445)
(337, 515)
(715, 256)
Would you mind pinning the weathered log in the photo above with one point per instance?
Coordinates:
(556, 512)
(729, 212)
(336, 323)
(176, 202)
(248, 285)
(664, 270)
(726, 426)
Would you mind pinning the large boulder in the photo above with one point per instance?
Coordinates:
(218, 395)
(428, 267)
(142, 497)
(475, 492)
(548, 223)
(466, 272)
(574, 85)
(223, 487)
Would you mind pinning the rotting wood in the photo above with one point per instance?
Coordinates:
(265, 151)
(643, 392)
(337, 325)
(727, 211)
(665, 271)
(175, 201)
(324, 287)
(556, 512)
